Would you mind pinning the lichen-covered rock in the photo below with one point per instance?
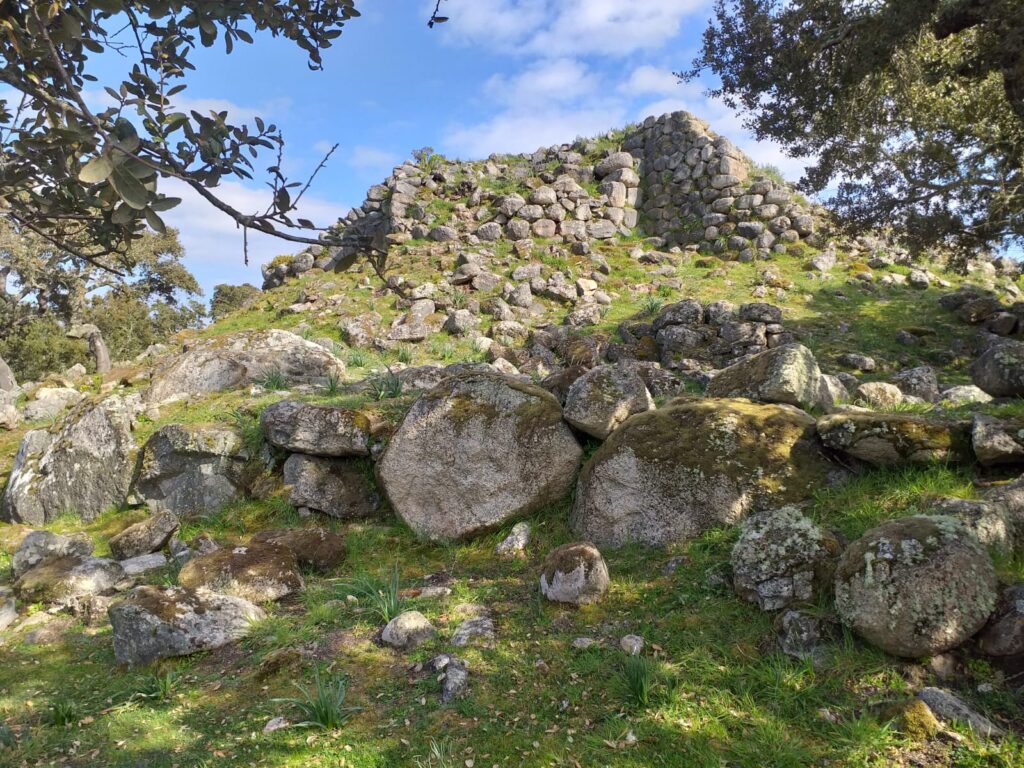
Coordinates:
(1004, 633)
(575, 574)
(315, 548)
(407, 630)
(85, 468)
(919, 382)
(673, 473)
(145, 536)
(60, 581)
(338, 488)
(947, 706)
(47, 402)
(604, 397)
(916, 586)
(879, 394)
(153, 623)
(257, 571)
(318, 430)
(477, 450)
(999, 370)
(786, 374)
(188, 469)
(997, 442)
(39, 546)
(990, 521)
(895, 439)
(782, 559)
(243, 358)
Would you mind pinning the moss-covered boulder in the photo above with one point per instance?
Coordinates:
(999, 370)
(153, 623)
(896, 439)
(604, 397)
(916, 586)
(476, 451)
(257, 571)
(782, 559)
(62, 580)
(786, 374)
(318, 430)
(575, 574)
(315, 548)
(672, 474)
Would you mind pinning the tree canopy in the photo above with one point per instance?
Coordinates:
(86, 179)
(915, 109)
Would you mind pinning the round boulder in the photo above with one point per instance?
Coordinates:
(673, 473)
(999, 371)
(477, 450)
(916, 586)
(781, 559)
(604, 397)
(575, 574)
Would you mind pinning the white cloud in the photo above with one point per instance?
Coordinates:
(568, 27)
(544, 83)
(648, 79)
(531, 129)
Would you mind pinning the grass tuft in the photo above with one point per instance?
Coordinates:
(381, 597)
(323, 705)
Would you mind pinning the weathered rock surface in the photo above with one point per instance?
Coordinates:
(258, 572)
(999, 370)
(474, 452)
(59, 581)
(786, 374)
(315, 548)
(782, 559)
(244, 358)
(673, 473)
(575, 574)
(318, 430)
(189, 469)
(39, 546)
(997, 442)
(950, 707)
(1004, 633)
(144, 537)
(153, 623)
(895, 439)
(85, 468)
(335, 487)
(47, 402)
(916, 586)
(604, 397)
(407, 630)
(7, 381)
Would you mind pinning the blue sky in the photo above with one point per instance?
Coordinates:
(500, 76)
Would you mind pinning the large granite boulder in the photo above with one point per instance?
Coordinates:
(153, 623)
(999, 370)
(7, 381)
(475, 451)
(145, 536)
(39, 546)
(339, 488)
(896, 439)
(188, 469)
(916, 586)
(318, 430)
(782, 559)
(48, 402)
(62, 580)
(84, 468)
(786, 374)
(604, 397)
(257, 571)
(673, 473)
(214, 365)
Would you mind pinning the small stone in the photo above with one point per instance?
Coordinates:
(516, 542)
(583, 643)
(575, 574)
(276, 724)
(947, 706)
(632, 644)
(407, 631)
(478, 627)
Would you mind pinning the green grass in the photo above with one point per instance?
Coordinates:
(379, 596)
(323, 704)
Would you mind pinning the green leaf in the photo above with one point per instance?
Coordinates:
(96, 170)
(123, 214)
(129, 188)
(155, 221)
(165, 203)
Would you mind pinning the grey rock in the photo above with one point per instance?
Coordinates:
(7, 381)
(950, 707)
(1004, 633)
(787, 374)
(916, 586)
(604, 397)
(516, 542)
(999, 371)
(612, 163)
(857, 361)
(478, 627)
(338, 488)
(50, 401)
(965, 395)
(63, 580)
(918, 382)
(895, 439)
(454, 673)
(8, 608)
(800, 635)
(318, 430)
(135, 566)
(879, 394)
(39, 546)
(144, 537)
(782, 559)
(407, 631)
(997, 442)
(574, 574)
(154, 623)
(477, 450)
(631, 645)
(257, 571)
(188, 469)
